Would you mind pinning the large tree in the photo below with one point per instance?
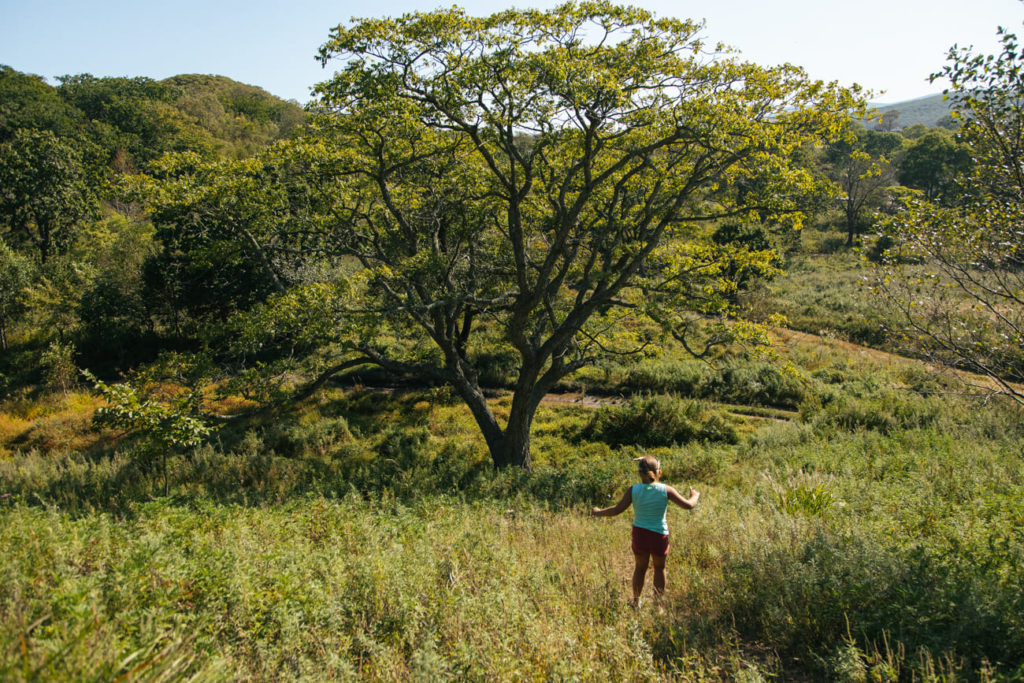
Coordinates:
(963, 305)
(860, 164)
(222, 227)
(535, 170)
(525, 179)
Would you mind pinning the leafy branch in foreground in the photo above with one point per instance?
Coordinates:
(964, 304)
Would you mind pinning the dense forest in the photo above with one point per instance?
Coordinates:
(322, 393)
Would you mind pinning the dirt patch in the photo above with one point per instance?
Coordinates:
(583, 400)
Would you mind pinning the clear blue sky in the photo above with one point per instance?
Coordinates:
(885, 45)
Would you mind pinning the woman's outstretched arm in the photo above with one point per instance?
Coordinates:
(627, 500)
(685, 503)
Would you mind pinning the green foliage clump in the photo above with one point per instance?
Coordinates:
(666, 376)
(27, 102)
(886, 411)
(15, 275)
(661, 420)
(763, 384)
(756, 383)
(830, 586)
(161, 428)
(59, 369)
(497, 367)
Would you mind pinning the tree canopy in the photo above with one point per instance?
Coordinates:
(933, 163)
(860, 163)
(26, 101)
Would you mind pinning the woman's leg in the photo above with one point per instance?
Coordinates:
(640, 573)
(659, 574)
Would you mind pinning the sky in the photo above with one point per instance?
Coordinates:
(887, 46)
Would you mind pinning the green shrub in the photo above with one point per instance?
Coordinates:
(58, 365)
(762, 384)
(737, 381)
(885, 411)
(666, 377)
(704, 464)
(930, 599)
(661, 420)
(317, 438)
(833, 245)
(810, 500)
(497, 368)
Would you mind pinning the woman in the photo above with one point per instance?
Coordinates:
(650, 527)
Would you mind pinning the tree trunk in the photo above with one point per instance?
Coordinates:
(509, 447)
(851, 225)
(513, 449)
(474, 398)
(44, 244)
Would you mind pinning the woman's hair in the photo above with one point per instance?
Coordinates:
(648, 463)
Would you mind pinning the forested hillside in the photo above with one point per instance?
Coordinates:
(327, 393)
(134, 120)
(76, 243)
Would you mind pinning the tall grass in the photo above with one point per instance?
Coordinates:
(326, 590)
(892, 555)
(876, 535)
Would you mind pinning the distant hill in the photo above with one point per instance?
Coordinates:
(927, 110)
(134, 120)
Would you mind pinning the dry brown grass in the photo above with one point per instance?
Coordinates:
(56, 422)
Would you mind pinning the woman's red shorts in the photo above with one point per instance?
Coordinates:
(647, 542)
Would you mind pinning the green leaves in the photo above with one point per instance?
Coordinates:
(163, 426)
(963, 305)
(44, 190)
(15, 277)
(232, 231)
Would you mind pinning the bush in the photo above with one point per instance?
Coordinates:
(742, 382)
(833, 245)
(318, 438)
(760, 384)
(932, 600)
(659, 421)
(59, 369)
(667, 377)
(885, 411)
(497, 368)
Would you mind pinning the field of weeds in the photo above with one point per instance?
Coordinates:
(871, 530)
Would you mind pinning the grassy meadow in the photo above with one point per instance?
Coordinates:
(862, 519)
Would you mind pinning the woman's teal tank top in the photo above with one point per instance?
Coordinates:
(650, 501)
